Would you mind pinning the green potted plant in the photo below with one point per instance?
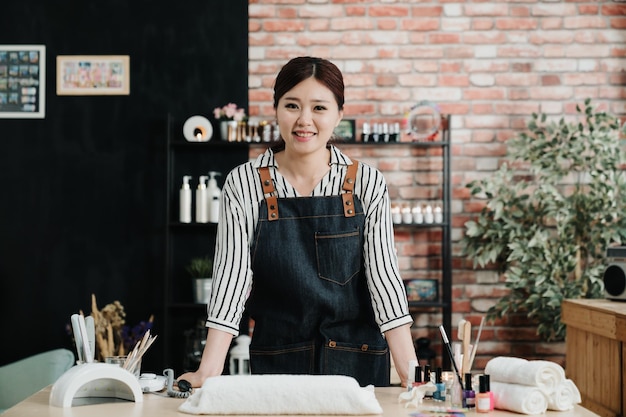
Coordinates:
(549, 215)
(201, 271)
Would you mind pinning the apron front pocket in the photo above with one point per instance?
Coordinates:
(338, 255)
(368, 364)
(297, 358)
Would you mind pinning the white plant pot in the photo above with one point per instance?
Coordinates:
(202, 290)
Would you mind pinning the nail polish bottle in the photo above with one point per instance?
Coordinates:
(469, 396)
(483, 399)
(426, 380)
(418, 377)
(440, 394)
(488, 387)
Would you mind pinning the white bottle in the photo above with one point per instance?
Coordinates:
(202, 212)
(185, 201)
(213, 197)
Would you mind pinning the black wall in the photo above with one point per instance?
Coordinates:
(82, 206)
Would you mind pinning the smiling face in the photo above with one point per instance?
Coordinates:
(307, 115)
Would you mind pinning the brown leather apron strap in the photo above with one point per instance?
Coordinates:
(348, 187)
(269, 193)
(347, 196)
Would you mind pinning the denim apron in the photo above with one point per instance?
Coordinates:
(310, 301)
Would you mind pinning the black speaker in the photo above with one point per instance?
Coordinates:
(615, 274)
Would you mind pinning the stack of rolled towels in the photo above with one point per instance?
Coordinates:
(530, 387)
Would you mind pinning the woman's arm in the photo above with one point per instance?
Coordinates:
(213, 358)
(400, 343)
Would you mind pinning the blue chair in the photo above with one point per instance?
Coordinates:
(23, 378)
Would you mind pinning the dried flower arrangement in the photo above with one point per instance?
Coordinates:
(113, 336)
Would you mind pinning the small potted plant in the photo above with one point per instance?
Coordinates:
(201, 270)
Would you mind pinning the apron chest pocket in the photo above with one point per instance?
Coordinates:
(338, 255)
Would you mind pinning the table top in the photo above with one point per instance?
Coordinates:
(155, 405)
(606, 318)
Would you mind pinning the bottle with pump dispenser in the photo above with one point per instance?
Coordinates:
(213, 197)
(202, 212)
(185, 201)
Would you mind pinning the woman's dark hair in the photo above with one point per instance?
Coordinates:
(301, 68)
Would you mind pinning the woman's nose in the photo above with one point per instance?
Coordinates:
(305, 117)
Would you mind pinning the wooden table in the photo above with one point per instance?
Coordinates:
(157, 406)
(596, 353)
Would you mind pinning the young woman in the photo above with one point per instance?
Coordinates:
(305, 244)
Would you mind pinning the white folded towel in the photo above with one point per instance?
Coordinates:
(282, 394)
(564, 396)
(543, 374)
(523, 399)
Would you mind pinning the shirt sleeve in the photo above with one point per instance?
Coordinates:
(232, 275)
(386, 287)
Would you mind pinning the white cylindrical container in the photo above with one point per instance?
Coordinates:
(428, 214)
(185, 201)
(202, 212)
(418, 216)
(438, 214)
(213, 196)
(396, 215)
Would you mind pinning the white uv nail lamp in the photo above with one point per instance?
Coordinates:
(90, 383)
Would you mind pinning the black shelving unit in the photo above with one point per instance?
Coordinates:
(445, 299)
(184, 241)
(444, 303)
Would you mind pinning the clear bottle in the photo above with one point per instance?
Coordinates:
(456, 392)
(185, 201)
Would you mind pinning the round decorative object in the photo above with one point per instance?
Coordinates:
(423, 121)
(197, 129)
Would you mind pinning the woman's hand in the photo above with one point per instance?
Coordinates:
(196, 379)
(213, 357)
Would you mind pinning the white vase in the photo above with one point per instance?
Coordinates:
(224, 124)
(202, 290)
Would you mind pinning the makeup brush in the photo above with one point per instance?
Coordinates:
(446, 342)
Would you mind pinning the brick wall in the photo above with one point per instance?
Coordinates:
(488, 64)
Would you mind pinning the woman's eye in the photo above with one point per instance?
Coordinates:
(291, 106)
(319, 108)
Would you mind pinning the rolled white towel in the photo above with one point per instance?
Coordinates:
(564, 396)
(282, 394)
(523, 399)
(543, 374)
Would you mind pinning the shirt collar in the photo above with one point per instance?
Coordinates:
(267, 159)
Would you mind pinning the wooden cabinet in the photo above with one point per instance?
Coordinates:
(596, 353)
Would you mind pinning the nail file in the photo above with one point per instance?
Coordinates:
(467, 336)
(85, 339)
(78, 339)
(91, 335)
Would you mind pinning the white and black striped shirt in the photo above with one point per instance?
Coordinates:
(239, 212)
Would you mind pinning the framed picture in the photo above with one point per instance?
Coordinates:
(93, 75)
(345, 131)
(422, 289)
(22, 81)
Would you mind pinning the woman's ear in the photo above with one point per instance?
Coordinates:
(339, 118)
